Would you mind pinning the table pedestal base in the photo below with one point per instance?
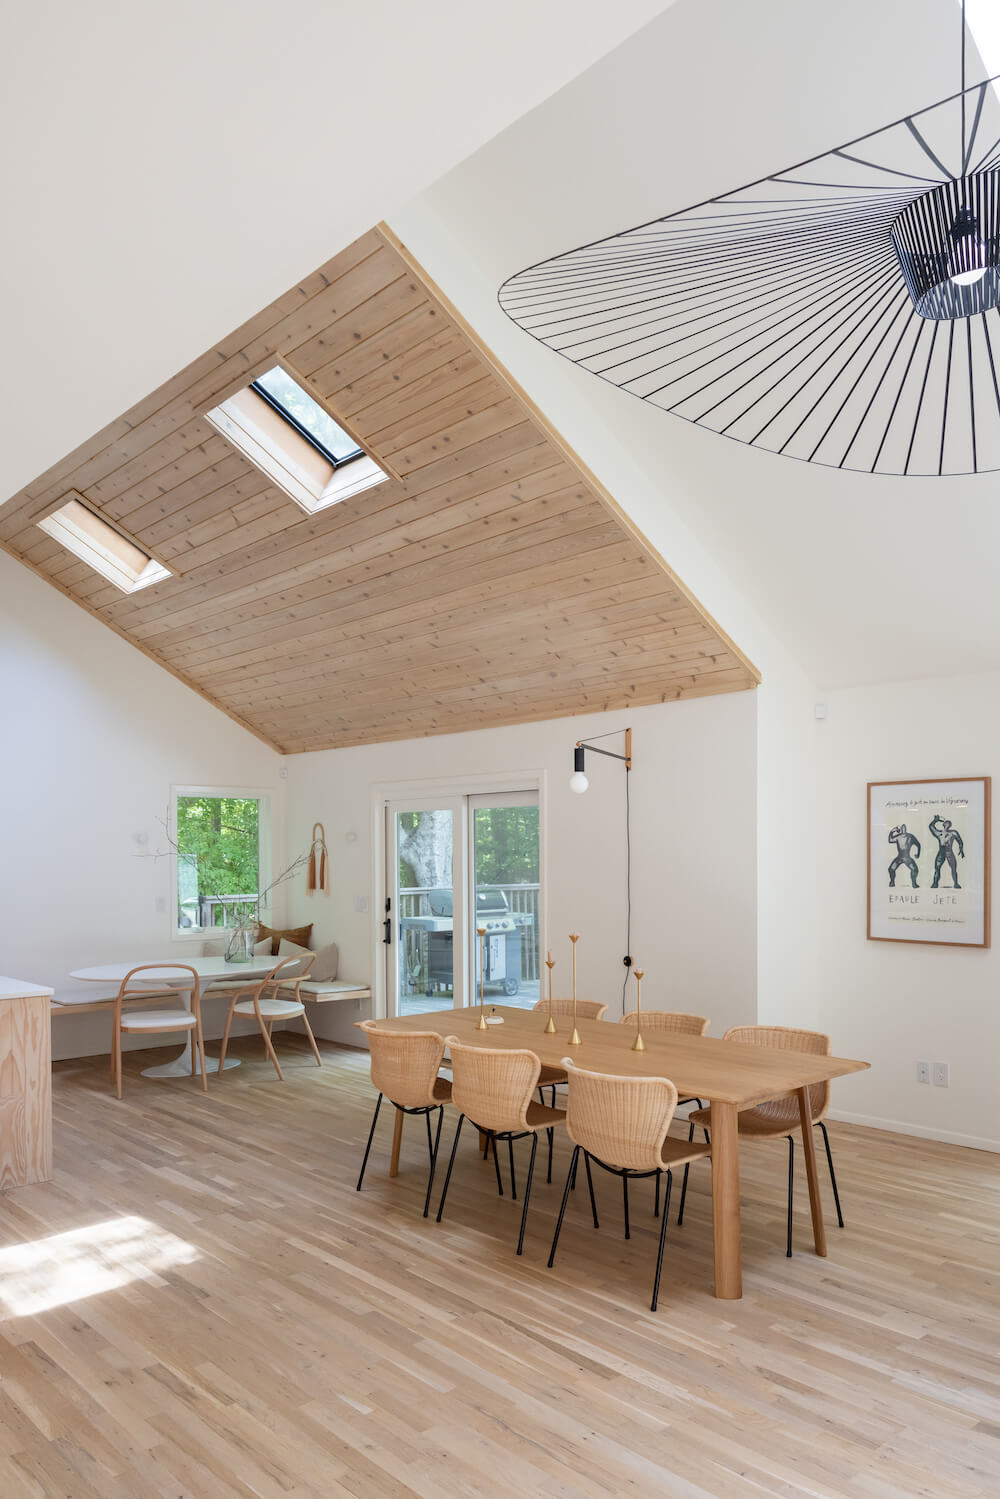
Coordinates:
(181, 1065)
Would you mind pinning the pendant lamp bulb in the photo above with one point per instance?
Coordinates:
(578, 781)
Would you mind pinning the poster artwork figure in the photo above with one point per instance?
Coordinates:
(905, 842)
(947, 838)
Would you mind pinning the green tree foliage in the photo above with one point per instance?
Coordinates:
(506, 845)
(220, 836)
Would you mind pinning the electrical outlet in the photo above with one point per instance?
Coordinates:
(941, 1079)
(923, 1072)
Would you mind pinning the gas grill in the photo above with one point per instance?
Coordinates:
(502, 944)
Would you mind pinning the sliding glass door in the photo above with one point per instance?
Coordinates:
(455, 867)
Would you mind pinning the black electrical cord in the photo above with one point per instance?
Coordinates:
(628, 887)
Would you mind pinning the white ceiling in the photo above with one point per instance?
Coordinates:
(167, 170)
(866, 578)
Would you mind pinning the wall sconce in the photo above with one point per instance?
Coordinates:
(578, 780)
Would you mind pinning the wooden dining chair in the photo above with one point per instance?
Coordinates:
(150, 1022)
(405, 1066)
(666, 1022)
(779, 1118)
(586, 1009)
(260, 998)
(622, 1124)
(494, 1089)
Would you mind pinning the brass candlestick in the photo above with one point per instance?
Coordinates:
(482, 1026)
(638, 1044)
(550, 1025)
(575, 1039)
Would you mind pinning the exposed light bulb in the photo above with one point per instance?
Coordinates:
(578, 781)
(967, 278)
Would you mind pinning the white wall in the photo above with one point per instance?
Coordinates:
(693, 846)
(94, 735)
(895, 1002)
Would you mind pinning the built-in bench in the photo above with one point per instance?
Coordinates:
(312, 993)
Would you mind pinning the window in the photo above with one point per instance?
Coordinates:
(103, 548)
(219, 863)
(284, 430)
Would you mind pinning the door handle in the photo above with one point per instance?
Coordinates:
(387, 923)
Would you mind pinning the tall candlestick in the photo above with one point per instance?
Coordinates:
(638, 1044)
(575, 1039)
(482, 1026)
(550, 963)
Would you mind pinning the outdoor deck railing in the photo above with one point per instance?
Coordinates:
(521, 900)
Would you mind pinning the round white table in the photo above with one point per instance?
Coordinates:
(207, 969)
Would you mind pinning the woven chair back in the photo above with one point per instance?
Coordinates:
(668, 1020)
(404, 1063)
(623, 1121)
(586, 1009)
(785, 1110)
(493, 1088)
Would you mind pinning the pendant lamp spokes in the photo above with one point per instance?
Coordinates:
(948, 244)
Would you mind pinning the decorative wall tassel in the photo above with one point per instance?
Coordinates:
(318, 874)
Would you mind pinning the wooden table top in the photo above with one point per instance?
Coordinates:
(699, 1066)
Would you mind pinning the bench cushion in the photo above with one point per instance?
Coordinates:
(332, 989)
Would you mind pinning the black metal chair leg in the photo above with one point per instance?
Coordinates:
(430, 1143)
(833, 1174)
(527, 1190)
(551, 1134)
(791, 1173)
(434, 1155)
(625, 1196)
(663, 1236)
(590, 1185)
(371, 1136)
(492, 1140)
(656, 1199)
(513, 1183)
(684, 1193)
(570, 1177)
(451, 1162)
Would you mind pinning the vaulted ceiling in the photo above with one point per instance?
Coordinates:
(490, 580)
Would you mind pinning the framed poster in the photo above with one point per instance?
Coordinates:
(929, 861)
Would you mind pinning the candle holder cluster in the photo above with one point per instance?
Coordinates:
(575, 1038)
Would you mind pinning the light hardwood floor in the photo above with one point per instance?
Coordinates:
(291, 1339)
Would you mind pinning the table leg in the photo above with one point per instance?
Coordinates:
(726, 1202)
(183, 1064)
(809, 1151)
(397, 1137)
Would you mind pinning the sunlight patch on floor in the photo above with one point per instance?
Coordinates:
(86, 1262)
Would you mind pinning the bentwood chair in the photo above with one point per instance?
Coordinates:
(260, 998)
(586, 1009)
(150, 1022)
(665, 1022)
(494, 1090)
(779, 1118)
(405, 1068)
(621, 1124)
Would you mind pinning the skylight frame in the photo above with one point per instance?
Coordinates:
(97, 551)
(300, 427)
(347, 477)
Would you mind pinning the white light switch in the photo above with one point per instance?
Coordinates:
(161, 904)
(361, 904)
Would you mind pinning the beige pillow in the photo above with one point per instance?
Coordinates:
(288, 949)
(324, 970)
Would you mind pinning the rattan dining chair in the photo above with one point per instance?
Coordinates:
(150, 1022)
(779, 1118)
(622, 1124)
(664, 1022)
(405, 1068)
(260, 998)
(494, 1090)
(586, 1009)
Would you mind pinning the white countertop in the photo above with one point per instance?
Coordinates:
(17, 989)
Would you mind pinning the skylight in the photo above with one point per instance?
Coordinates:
(91, 539)
(306, 416)
(285, 431)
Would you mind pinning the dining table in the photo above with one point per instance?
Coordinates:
(727, 1075)
(208, 970)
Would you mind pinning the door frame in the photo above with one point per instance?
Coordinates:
(458, 807)
(428, 792)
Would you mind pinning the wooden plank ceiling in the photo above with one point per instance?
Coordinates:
(492, 582)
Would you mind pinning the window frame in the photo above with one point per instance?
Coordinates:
(298, 426)
(264, 796)
(86, 553)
